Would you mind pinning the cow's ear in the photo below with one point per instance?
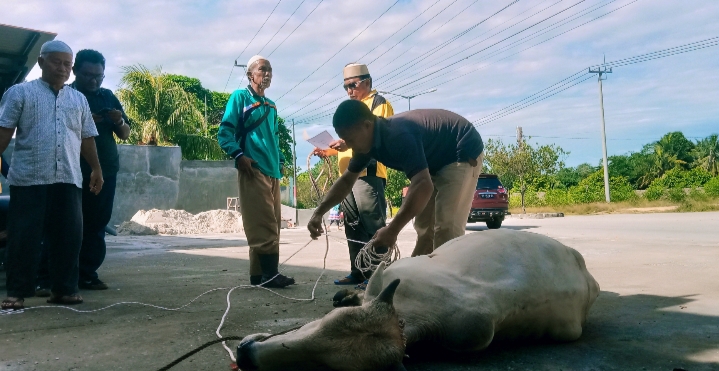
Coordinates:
(374, 287)
(387, 294)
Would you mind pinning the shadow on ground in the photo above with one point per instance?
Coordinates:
(635, 332)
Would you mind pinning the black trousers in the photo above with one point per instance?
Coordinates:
(50, 213)
(96, 214)
(365, 211)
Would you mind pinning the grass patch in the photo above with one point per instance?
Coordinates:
(689, 204)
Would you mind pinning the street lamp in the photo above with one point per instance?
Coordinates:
(409, 97)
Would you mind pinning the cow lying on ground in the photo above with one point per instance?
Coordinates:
(497, 284)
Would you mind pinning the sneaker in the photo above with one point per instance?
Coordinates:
(362, 286)
(278, 282)
(93, 284)
(42, 292)
(349, 280)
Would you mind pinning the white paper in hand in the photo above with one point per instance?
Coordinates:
(321, 140)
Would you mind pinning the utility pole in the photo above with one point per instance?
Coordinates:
(602, 71)
(294, 173)
(519, 136)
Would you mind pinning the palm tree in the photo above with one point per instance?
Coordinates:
(706, 154)
(165, 114)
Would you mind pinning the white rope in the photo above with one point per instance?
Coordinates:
(368, 259)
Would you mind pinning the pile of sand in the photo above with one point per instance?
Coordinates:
(181, 222)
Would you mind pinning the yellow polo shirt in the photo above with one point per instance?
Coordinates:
(383, 110)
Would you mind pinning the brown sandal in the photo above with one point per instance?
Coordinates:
(65, 299)
(13, 303)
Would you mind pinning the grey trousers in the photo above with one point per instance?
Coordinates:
(365, 212)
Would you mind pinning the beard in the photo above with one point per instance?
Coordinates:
(265, 83)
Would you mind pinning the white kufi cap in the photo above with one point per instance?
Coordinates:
(55, 46)
(254, 59)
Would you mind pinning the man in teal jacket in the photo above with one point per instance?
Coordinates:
(249, 134)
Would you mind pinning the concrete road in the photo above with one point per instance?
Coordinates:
(658, 309)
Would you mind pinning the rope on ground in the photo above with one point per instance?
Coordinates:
(196, 350)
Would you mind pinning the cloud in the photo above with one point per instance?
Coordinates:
(642, 101)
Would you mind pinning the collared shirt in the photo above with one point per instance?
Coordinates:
(262, 144)
(382, 108)
(105, 140)
(49, 131)
(421, 139)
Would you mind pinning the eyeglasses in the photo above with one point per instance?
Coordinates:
(89, 77)
(354, 85)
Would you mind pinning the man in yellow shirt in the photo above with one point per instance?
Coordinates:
(365, 208)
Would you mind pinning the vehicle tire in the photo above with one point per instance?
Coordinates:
(494, 223)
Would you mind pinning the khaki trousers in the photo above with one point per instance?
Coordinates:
(445, 216)
(261, 215)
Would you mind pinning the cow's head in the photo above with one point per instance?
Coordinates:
(368, 337)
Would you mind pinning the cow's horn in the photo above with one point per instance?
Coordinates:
(388, 293)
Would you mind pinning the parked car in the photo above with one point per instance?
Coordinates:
(490, 203)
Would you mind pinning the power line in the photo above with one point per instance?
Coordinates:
(359, 59)
(521, 51)
(342, 48)
(295, 29)
(564, 84)
(248, 44)
(496, 43)
(455, 16)
(445, 43)
(281, 27)
(400, 70)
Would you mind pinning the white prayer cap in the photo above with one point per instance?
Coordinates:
(354, 70)
(255, 59)
(55, 46)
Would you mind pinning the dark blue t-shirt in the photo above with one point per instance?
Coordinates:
(421, 139)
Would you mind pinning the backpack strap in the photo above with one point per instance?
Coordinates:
(377, 101)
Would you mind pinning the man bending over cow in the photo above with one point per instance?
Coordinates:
(439, 151)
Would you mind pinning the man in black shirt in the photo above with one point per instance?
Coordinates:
(439, 151)
(111, 121)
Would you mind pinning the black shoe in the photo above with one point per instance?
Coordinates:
(255, 280)
(278, 282)
(93, 284)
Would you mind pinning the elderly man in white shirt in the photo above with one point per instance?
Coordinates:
(53, 127)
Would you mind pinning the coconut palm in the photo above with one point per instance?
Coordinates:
(706, 154)
(165, 114)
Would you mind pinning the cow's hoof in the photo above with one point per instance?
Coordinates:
(347, 298)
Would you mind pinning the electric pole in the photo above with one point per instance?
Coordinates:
(519, 136)
(601, 71)
(294, 172)
(409, 97)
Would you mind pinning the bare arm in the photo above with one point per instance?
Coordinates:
(419, 193)
(88, 150)
(338, 192)
(122, 131)
(5, 136)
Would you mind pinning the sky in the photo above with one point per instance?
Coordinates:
(480, 56)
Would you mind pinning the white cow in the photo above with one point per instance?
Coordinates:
(497, 284)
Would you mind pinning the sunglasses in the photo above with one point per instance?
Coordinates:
(354, 85)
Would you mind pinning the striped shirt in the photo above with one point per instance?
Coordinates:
(49, 131)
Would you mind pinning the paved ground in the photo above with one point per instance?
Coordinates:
(658, 309)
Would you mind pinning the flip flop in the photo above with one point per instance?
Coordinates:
(65, 299)
(349, 280)
(16, 304)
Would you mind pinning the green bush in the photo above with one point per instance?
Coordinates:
(711, 188)
(654, 192)
(679, 178)
(591, 189)
(558, 197)
(697, 194)
(676, 195)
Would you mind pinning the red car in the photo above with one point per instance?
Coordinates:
(490, 203)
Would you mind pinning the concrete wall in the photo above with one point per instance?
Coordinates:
(149, 177)
(205, 185)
